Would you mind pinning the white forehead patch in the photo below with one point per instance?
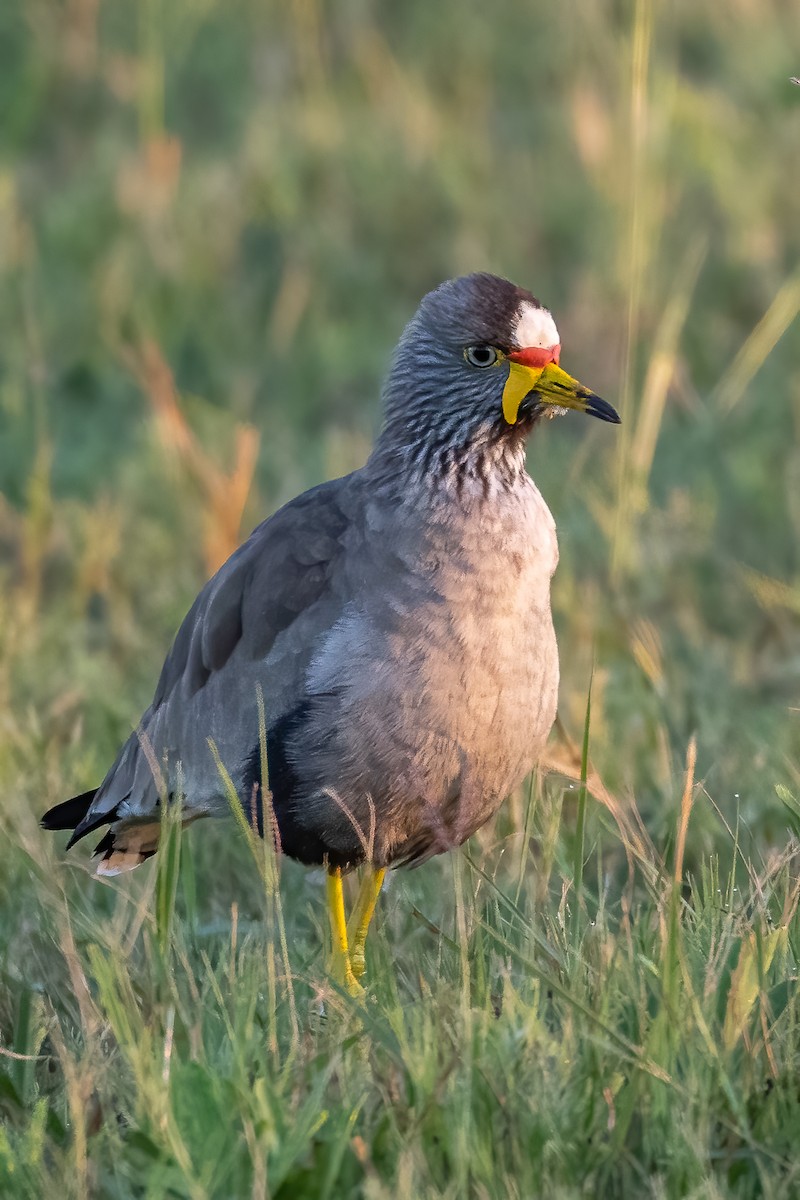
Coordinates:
(535, 327)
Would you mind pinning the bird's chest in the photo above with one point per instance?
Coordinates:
(483, 639)
(446, 662)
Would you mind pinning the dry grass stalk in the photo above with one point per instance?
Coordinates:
(661, 370)
(225, 493)
(686, 808)
(762, 341)
(566, 760)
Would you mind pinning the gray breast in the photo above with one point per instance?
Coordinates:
(432, 696)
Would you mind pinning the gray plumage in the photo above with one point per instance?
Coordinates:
(396, 623)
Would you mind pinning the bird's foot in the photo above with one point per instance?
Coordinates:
(340, 966)
(344, 974)
(354, 987)
(363, 913)
(358, 963)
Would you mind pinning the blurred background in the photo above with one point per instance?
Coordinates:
(215, 220)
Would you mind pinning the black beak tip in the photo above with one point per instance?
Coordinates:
(601, 409)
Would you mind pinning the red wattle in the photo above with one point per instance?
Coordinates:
(536, 356)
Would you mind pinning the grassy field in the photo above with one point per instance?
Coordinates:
(214, 221)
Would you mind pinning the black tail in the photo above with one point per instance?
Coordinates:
(69, 814)
(74, 814)
(119, 851)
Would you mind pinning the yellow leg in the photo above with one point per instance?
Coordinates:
(340, 967)
(363, 913)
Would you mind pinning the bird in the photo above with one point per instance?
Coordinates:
(375, 668)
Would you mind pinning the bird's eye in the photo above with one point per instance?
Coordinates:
(482, 356)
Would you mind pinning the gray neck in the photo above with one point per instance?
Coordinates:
(438, 436)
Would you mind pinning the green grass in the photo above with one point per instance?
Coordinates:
(599, 995)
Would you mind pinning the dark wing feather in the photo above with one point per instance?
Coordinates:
(287, 569)
(277, 574)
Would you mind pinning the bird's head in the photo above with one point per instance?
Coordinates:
(480, 361)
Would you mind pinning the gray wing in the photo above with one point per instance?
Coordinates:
(254, 627)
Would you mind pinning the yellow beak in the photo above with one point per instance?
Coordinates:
(553, 387)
